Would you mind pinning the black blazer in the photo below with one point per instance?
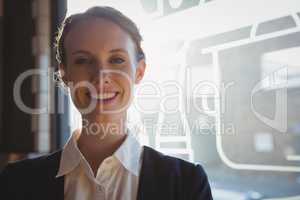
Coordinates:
(162, 177)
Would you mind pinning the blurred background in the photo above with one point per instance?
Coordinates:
(222, 87)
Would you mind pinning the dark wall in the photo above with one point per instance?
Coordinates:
(1, 64)
(16, 56)
(18, 28)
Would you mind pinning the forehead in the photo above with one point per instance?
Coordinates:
(97, 34)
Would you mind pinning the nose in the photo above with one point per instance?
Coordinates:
(102, 77)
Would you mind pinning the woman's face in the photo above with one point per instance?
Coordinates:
(101, 67)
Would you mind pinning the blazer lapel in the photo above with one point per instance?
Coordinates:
(151, 184)
(54, 186)
(147, 178)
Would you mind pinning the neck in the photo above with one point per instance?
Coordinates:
(100, 137)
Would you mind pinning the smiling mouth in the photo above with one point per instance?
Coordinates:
(105, 96)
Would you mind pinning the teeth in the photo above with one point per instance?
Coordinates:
(103, 96)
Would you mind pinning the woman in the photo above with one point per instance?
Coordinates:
(100, 59)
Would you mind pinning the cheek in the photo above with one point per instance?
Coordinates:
(126, 83)
(80, 97)
(79, 85)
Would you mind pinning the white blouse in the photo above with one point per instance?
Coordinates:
(117, 177)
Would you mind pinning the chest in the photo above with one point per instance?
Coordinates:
(110, 183)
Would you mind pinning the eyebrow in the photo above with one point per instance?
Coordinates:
(80, 51)
(111, 51)
(118, 50)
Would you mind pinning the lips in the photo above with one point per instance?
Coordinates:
(104, 97)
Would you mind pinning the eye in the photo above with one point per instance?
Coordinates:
(117, 60)
(82, 60)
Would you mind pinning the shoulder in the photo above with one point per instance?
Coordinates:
(26, 174)
(190, 177)
(170, 163)
(47, 164)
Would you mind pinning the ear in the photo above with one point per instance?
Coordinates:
(62, 71)
(140, 71)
